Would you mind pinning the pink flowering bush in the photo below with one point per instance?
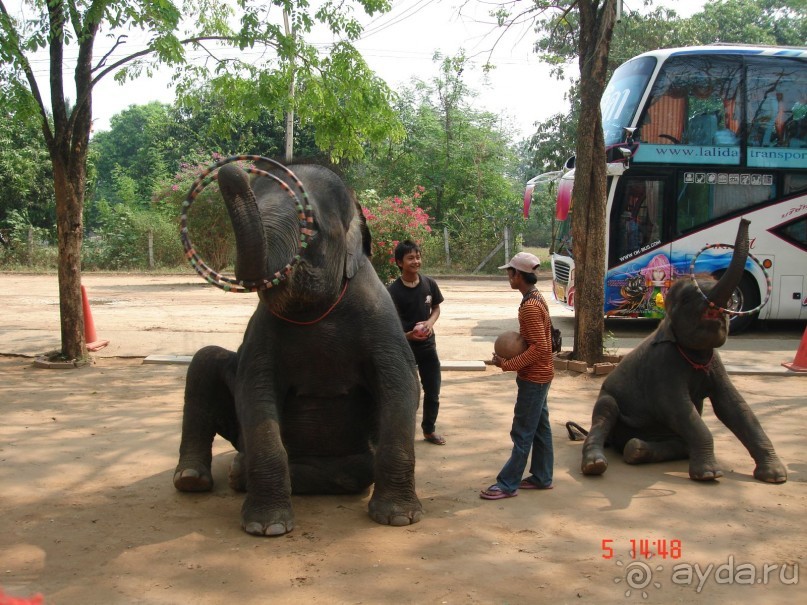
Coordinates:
(390, 221)
(209, 226)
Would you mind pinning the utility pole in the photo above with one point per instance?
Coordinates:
(290, 112)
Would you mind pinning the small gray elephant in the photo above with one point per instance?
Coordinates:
(649, 408)
(322, 394)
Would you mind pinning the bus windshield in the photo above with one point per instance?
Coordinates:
(622, 96)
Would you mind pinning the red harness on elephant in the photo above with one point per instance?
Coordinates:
(706, 367)
(321, 317)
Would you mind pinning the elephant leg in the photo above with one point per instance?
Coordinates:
(733, 411)
(394, 501)
(237, 477)
(638, 451)
(334, 475)
(603, 419)
(699, 442)
(399, 511)
(209, 410)
(267, 509)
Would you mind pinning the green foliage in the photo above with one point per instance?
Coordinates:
(25, 169)
(209, 225)
(347, 105)
(391, 220)
(461, 156)
(538, 229)
(28, 246)
(139, 146)
(122, 240)
(774, 22)
(232, 115)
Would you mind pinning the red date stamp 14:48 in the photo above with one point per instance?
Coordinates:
(645, 548)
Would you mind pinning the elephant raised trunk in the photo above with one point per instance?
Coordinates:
(720, 294)
(250, 260)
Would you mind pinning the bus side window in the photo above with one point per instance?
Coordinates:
(776, 110)
(797, 127)
(766, 120)
(712, 122)
(701, 203)
(694, 102)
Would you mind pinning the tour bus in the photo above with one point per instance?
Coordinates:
(696, 139)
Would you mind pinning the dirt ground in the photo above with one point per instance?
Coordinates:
(88, 513)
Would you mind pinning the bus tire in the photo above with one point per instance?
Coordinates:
(746, 296)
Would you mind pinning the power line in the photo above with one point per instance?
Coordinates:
(405, 15)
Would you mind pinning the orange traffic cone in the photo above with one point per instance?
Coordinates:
(93, 344)
(799, 364)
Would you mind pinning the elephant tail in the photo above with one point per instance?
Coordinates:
(576, 432)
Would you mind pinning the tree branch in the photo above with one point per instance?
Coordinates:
(148, 51)
(121, 40)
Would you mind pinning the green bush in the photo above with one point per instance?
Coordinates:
(28, 246)
(122, 241)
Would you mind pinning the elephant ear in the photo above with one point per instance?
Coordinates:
(358, 241)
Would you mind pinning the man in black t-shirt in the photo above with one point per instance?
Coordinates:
(417, 298)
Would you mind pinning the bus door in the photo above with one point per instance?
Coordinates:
(640, 269)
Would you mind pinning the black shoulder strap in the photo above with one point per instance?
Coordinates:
(536, 295)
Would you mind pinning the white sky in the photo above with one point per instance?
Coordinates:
(399, 45)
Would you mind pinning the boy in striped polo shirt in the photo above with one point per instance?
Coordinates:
(534, 372)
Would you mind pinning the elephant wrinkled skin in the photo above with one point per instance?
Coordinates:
(649, 408)
(322, 394)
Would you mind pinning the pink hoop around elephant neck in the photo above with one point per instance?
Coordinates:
(304, 213)
(756, 309)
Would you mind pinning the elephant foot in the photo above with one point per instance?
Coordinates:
(704, 472)
(260, 521)
(771, 472)
(236, 478)
(637, 451)
(594, 460)
(193, 479)
(594, 465)
(386, 512)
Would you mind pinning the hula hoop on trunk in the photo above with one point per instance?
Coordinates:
(304, 213)
(756, 309)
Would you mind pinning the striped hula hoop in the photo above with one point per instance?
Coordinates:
(304, 213)
(756, 309)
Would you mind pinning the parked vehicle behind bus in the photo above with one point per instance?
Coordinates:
(697, 138)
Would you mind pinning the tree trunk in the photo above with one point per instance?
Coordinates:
(67, 144)
(70, 229)
(589, 195)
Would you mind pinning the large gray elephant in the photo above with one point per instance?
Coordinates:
(649, 408)
(321, 396)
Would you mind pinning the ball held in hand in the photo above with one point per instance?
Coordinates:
(421, 330)
(509, 344)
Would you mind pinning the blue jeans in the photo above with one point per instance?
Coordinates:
(530, 430)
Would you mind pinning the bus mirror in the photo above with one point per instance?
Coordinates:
(569, 163)
(626, 154)
(629, 132)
